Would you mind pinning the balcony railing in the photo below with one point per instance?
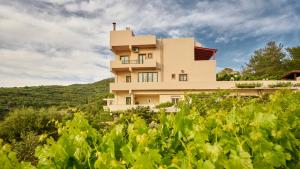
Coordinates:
(121, 65)
(132, 62)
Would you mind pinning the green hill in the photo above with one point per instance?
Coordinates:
(77, 95)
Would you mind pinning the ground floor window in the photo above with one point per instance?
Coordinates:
(175, 99)
(128, 100)
(147, 77)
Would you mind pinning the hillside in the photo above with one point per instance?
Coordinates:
(76, 95)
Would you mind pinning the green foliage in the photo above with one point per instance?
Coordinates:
(144, 112)
(74, 149)
(209, 131)
(8, 158)
(272, 62)
(23, 127)
(266, 63)
(228, 74)
(281, 84)
(88, 97)
(248, 85)
(39, 121)
(294, 58)
(100, 119)
(297, 85)
(165, 105)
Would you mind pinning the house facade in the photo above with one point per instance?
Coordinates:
(150, 70)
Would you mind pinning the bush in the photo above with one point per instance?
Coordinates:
(297, 85)
(281, 84)
(248, 85)
(141, 111)
(165, 105)
(8, 158)
(23, 127)
(25, 148)
(100, 120)
(27, 120)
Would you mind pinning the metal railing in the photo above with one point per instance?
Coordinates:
(132, 62)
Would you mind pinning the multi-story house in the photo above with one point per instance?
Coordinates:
(149, 71)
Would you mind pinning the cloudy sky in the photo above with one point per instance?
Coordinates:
(45, 42)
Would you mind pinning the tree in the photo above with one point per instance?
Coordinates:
(266, 63)
(228, 74)
(294, 58)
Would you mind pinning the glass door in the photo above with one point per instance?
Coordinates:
(141, 58)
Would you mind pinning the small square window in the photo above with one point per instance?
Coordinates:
(183, 77)
(173, 76)
(149, 55)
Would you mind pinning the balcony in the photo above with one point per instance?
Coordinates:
(128, 65)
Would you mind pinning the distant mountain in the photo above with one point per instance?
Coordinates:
(75, 95)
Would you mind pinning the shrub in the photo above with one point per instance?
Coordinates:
(165, 105)
(8, 158)
(297, 85)
(141, 111)
(248, 85)
(27, 120)
(100, 120)
(281, 84)
(22, 128)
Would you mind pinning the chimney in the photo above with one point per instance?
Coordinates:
(114, 26)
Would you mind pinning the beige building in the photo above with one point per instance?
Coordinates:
(149, 71)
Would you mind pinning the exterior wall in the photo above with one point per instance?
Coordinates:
(126, 38)
(144, 99)
(178, 54)
(120, 97)
(121, 78)
(168, 98)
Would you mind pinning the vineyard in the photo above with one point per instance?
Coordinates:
(210, 131)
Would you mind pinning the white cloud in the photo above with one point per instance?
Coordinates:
(222, 40)
(66, 41)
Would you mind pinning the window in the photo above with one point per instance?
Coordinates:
(149, 55)
(147, 77)
(124, 59)
(141, 58)
(128, 78)
(183, 77)
(173, 76)
(175, 99)
(128, 100)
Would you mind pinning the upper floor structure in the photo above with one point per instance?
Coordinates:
(150, 70)
(162, 63)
